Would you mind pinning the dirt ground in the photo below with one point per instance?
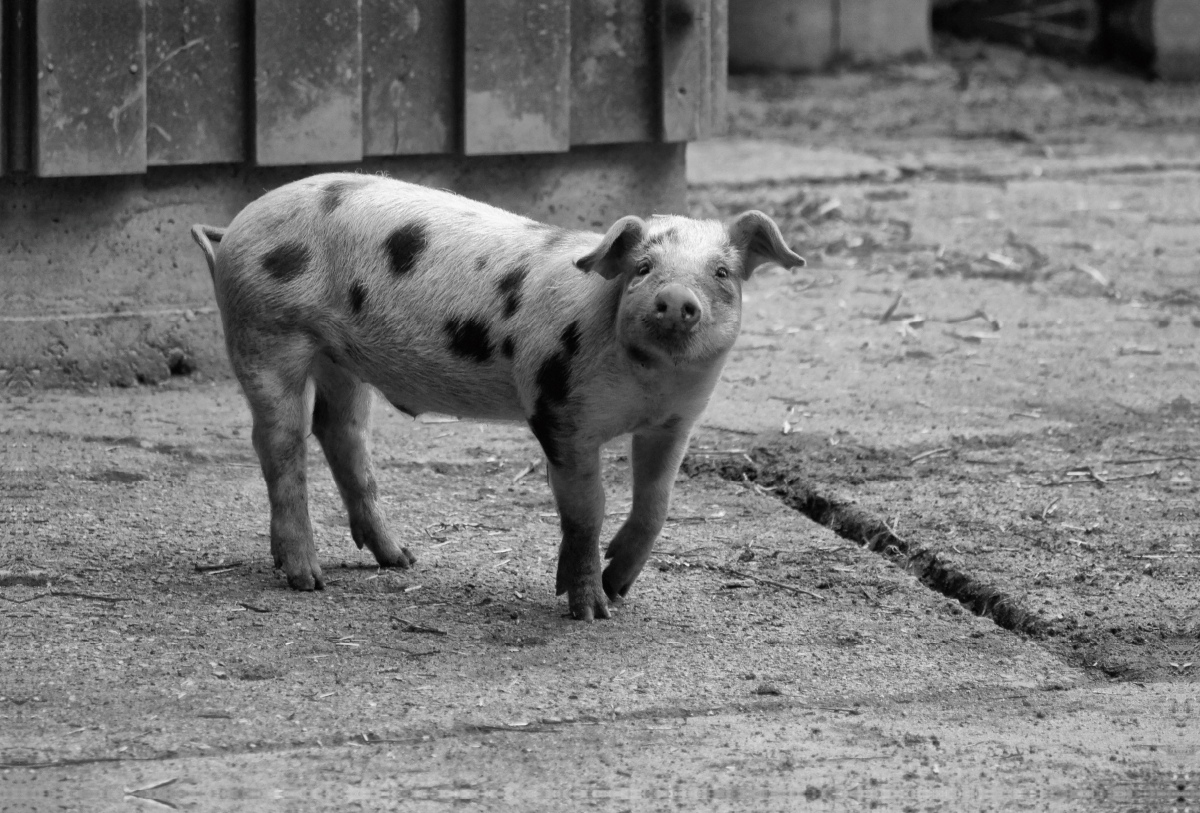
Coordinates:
(984, 389)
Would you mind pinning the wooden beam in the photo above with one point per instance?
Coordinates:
(517, 76)
(91, 88)
(307, 82)
(686, 70)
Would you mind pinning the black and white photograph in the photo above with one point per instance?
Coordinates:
(631, 405)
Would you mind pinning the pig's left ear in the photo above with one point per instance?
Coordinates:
(610, 257)
(758, 240)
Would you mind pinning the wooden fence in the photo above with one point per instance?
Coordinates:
(108, 87)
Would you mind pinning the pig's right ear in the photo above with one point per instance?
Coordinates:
(758, 239)
(610, 258)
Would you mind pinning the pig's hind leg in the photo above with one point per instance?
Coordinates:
(273, 372)
(655, 460)
(341, 421)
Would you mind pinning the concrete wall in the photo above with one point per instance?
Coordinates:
(100, 282)
(1176, 25)
(805, 35)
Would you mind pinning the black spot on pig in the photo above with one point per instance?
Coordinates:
(570, 339)
(509, 288)
(639, 356)
(554, 380)
(320, 414)
(469, 339)
(335, 191)
(508, 348)
(672, 423)
(549, 422)
(480, 264)
(404, 247)
(287, 261)
(358, 297)
(548, 427)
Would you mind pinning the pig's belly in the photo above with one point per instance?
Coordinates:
(462, 393)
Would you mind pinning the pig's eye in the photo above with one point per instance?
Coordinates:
(722, 272)
(643, 268)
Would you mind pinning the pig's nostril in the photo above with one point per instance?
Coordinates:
(676, 308)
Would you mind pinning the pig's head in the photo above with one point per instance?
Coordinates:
(682, 280)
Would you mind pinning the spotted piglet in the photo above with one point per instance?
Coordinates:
(341, 284)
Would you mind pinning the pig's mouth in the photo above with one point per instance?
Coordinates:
(675, 346)
(675, 340)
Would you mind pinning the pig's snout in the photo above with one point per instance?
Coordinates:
(676, 309)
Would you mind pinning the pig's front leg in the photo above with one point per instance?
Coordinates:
(580, 497)
(655, 459)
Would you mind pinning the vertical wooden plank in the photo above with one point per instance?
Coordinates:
(614, 71)
(91, 88)
(307, 81)
(720, 68)
(517, 76)
(686, 70)
(18, 21)
(3, 93)
(412, 64)
(196, 83)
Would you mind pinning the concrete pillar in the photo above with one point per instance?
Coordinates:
(1176, 26)
(781, 35)
(807, 35)
(877, 30)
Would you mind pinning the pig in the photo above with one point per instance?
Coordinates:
(339, 285)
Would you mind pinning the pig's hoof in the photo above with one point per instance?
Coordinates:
(588, 602)
(302, 568)
(401, 558)
(376, 539)
(617, 581)
(307, 579)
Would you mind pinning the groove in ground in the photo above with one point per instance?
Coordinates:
(860, 527)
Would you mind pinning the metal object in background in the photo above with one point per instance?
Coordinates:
(1068, 27)
(196, 56)
(1162, 36)
(517, 96)
(411, 75)
(307, 81)
(91, 88)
